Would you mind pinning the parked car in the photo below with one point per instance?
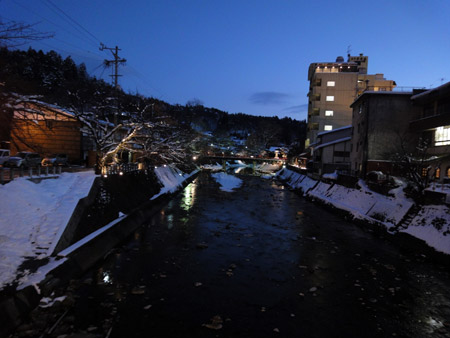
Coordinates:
(56, 159)
(24, 159)
(4, 156)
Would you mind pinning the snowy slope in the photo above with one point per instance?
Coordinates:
(171, 178)
(34, 215)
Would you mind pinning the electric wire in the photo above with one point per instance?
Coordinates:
(136, 73)
(78, 36)
(72, 20)
(86, 36)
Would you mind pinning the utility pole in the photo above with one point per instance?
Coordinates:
(115, 76)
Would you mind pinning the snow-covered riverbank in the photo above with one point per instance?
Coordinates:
(431, 224)
(34, 215)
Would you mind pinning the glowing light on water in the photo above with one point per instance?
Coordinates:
(170, 221)
(107, 278)
(188, 200)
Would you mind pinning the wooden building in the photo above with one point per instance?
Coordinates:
(45, 129)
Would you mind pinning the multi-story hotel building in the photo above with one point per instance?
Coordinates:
(333, 86)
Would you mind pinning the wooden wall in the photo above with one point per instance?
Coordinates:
(47, 137)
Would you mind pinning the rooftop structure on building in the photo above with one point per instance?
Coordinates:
(333, 87)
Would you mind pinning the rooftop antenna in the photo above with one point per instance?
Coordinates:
(349, 50)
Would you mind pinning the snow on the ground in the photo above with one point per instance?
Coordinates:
(226, 181)
(34, 215)
(212, 167)
(432, 224)
(267, 167)
(331, 176)
(238, 164)
(51, 203)
(171, 178)
(296, 180)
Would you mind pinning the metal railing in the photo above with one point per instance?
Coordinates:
(8, 174)
(120, 169)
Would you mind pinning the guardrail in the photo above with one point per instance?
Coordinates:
(8, 174)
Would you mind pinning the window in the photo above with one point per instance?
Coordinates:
(49, 124)
(331, 83)
(330, 98)
(442, 136)
(328, 127)
(448, 172)
(437, 173)
(328, 113)
(313, 126)
(424, 172)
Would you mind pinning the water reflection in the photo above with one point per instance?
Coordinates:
(238, 170)
(170, 221)
(188, 200)
(104, 277)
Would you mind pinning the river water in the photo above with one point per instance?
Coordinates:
(258, 262)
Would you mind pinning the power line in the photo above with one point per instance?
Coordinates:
(143, 78)
(72, 20)
(81, 37)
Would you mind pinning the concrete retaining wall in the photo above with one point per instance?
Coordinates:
(15, 307)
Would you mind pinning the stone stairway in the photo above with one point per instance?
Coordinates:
(406, 221)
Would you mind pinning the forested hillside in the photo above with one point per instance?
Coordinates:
(64, 83)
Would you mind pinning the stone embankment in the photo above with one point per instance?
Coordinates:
(396, 213)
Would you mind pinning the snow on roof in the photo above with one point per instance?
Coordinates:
(333, 131)
(428, 92)
(344, 139)
(371, 92)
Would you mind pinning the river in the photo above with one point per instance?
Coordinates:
(258, 262)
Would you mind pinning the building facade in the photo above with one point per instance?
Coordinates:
(332, 151)
(381, 132)
(433, 126)
(333, 86)
(41, 128)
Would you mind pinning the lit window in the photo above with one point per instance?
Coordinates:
(331, 83)
(328, 127)
(329, 113)
(424, 172)
(437, 173)
(442, 136)
(448, 172)
(330, 98)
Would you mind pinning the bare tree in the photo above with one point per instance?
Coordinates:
(417, 165)
(14, 34)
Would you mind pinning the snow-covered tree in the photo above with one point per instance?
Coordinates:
(154, 142)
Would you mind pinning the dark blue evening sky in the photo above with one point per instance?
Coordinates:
(243, 56)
